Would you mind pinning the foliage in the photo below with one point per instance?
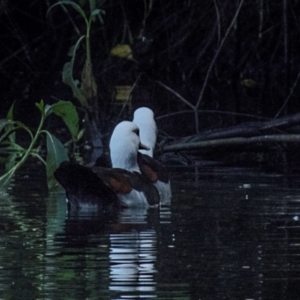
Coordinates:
(123, 51)
(56, 152)
(196, 50)
(87, 89)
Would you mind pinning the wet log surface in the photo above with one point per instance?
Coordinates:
(251, 133)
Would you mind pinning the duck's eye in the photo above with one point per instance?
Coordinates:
(137, 131)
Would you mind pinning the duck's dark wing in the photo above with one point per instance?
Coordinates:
(123, 181)
(82, 186)
(142, 184)
(114, 178)
(152, 169)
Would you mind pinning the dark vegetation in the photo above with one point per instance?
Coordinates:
(201, 65)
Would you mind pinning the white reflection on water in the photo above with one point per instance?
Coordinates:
(132, 256)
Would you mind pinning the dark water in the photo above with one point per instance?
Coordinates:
(226, 235)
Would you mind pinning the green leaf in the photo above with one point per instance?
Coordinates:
(73, 4)
(122, 50)
(88, 82)
(12, 147)
(48, 110)
(73, 83)
(10, 114)
(8, 127)
(56, 154)
(67, 75)
(67, 111)
(101, 20)
(3, 123)
(11, 160)
(6, 178)
(9, 132)
(92, 5)
(95, 12)
(40, 105)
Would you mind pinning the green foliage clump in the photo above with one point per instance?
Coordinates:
(56, 152)
(87, 88)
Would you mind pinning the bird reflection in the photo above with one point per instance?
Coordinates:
(133, 255)
(124, 244)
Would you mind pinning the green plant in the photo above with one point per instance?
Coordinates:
(87, 88)
(84, 90)
(56, 152)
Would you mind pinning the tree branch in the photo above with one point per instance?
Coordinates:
(218, 52)
(286, 138)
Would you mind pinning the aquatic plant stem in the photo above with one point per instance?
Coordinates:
(87, 42)
(7, 176)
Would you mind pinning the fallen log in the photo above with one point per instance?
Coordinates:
(244, 130)
(286, 138)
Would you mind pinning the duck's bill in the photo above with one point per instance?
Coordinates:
(143, 147)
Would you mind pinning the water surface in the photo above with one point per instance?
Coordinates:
(228, 234)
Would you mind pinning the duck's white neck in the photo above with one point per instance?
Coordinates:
(124, 156)
(124, 144)
(144, 119)
(127, 162)
(147, 152)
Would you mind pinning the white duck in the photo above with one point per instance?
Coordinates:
(123, 185)
(152, 169)
(143, 117)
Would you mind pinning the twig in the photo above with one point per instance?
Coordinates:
(289, 96)
(128, 98)
(212, 111)
(177, 95)
(219, 22)
(261, 18)
(71, 20)
(217, 54)
(195, 107)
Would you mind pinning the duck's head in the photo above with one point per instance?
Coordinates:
(124, 145)
(144, 118)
